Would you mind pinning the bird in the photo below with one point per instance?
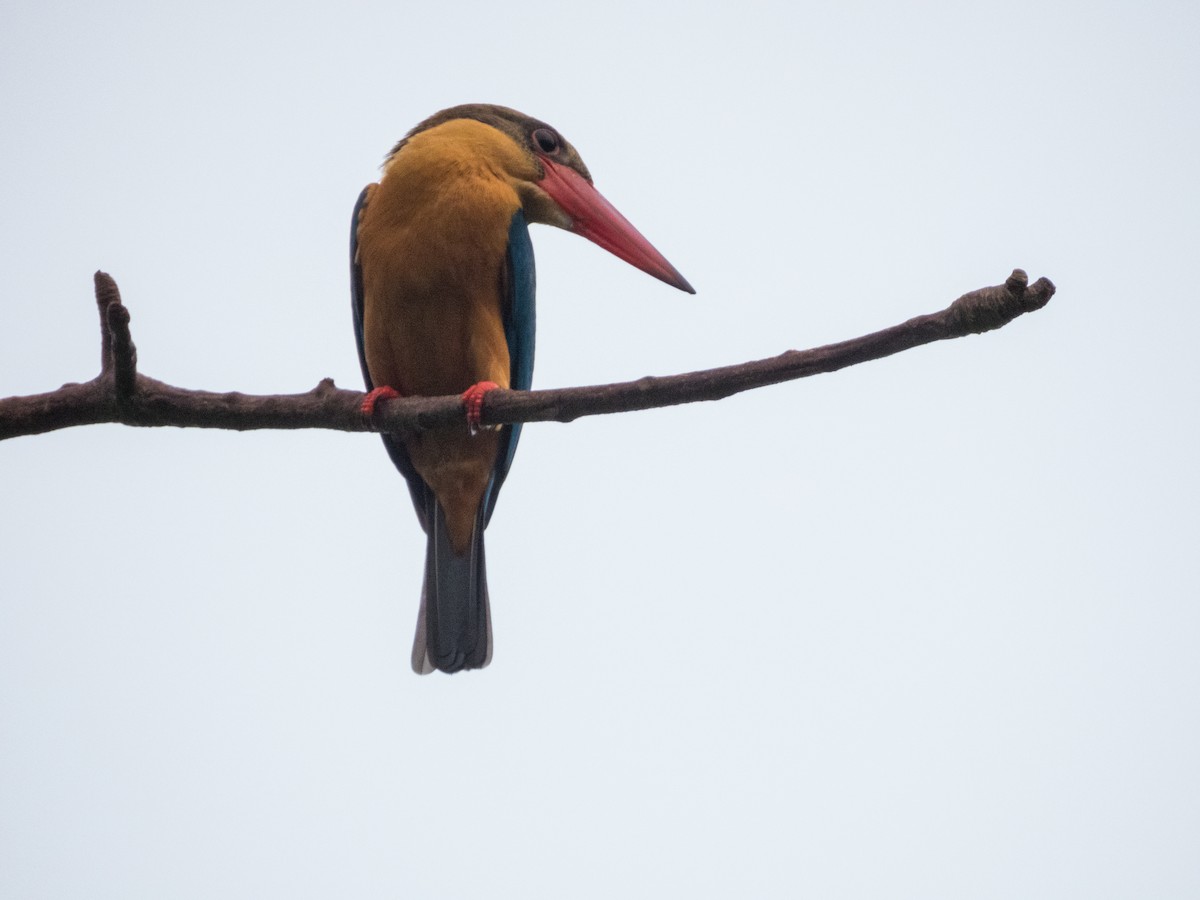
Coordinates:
(442, 282)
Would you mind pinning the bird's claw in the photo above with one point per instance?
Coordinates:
(374, 396)
(472, 399)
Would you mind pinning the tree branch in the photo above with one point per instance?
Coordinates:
(120, 394)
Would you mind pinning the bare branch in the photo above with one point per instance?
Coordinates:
(120, 394)
(107, 295)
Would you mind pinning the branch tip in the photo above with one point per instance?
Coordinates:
(118, 317)
(107, 296)
(1039, 294)
(1017, 281)
(106, 289)
(122, 356)
(990, 308)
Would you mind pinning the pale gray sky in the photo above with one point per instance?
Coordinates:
(925, 628)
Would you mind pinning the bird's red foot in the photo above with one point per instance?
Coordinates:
(380, 393)
(473, 400)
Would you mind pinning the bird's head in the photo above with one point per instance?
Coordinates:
(550, 179)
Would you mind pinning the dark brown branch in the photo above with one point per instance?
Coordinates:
(120, 394)
(107, 295)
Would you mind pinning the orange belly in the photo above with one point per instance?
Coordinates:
(433, 325)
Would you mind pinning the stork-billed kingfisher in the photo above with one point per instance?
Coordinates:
(443, 285)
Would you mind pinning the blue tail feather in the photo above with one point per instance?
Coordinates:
(454, 625)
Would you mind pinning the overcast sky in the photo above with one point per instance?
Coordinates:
(924, 628)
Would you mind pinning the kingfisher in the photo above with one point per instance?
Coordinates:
(442, 279)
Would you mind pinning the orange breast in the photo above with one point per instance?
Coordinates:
(431, 243)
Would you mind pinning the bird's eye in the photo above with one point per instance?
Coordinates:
(546, 140)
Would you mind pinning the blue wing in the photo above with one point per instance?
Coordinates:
(519, 285)
(520, 325)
